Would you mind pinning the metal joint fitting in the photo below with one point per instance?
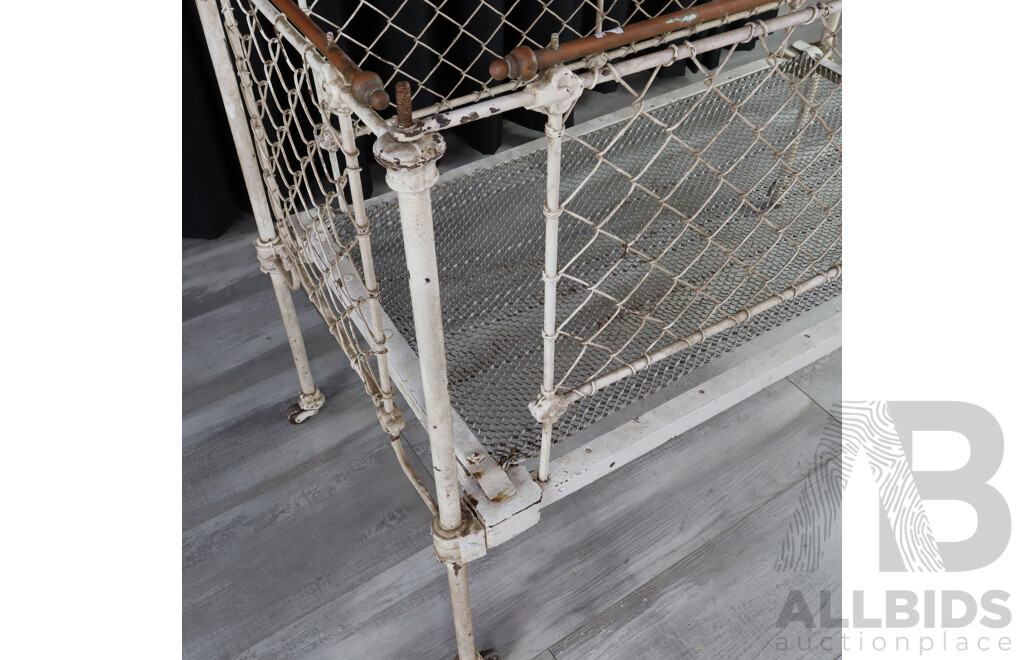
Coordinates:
(266, 253)
(411, 164)
(520, 64)
(392, 422)
(329, 139)
(599, 60)
(555, 90)
(314, 401)
(462, 545)
(548, 408)
(337, 94)
(274, 259)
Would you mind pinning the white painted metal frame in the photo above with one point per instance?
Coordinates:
(268, 243)
(457, 537)
(550, 405)
(499, 503)
(435, 117)
(789, 353)
(480, 473)
(508, 502)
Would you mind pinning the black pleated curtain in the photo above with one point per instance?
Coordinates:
(447, 47)
(212, 189)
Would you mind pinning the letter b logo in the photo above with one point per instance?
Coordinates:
(967, 484)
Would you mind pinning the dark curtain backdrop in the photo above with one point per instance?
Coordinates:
(213, 191)
(212, 188)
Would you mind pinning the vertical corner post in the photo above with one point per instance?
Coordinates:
(411, 163)
(268, 245)
(411, 171)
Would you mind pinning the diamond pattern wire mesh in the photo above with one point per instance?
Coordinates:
(444, 47)
(773, 226)
(691, 212)
(298, 140)
(673, 218)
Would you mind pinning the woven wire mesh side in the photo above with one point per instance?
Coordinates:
(617, 396)
(685, 214)
(490, 246)
(298, 140)
(445, 48)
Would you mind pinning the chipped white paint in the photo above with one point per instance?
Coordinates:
(411, 172)
(616, 30)
(682, 19)
(412, 185)
(507, 518)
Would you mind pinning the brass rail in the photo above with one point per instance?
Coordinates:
(367, 87)
(524, 62)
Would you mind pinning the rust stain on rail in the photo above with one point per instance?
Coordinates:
(524, 62)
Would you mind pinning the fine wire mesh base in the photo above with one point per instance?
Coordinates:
(490, 246)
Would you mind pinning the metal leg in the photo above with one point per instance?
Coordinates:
(267, 246)
(458, 588)
(411, 164)
(311, 400)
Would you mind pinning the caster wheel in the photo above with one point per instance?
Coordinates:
(296, 415)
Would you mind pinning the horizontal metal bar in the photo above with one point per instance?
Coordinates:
(589, 126)
(633, 48)
(524, 62)
(315, 60)
(367, 87)
(747, 32)
(611, 451)
(645, 62)
(701, 335)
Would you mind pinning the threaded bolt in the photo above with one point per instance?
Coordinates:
(403, 100)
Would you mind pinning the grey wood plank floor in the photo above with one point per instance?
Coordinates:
(308, 542)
